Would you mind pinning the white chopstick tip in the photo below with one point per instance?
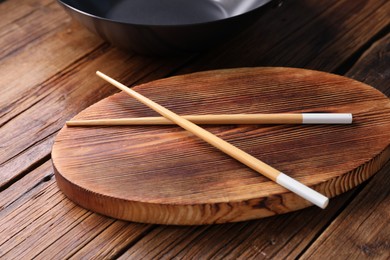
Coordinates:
(327, 118)
(302, 190)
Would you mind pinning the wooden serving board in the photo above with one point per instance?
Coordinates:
(164, 174)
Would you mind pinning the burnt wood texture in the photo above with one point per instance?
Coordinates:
(166, 175)
(47, 66)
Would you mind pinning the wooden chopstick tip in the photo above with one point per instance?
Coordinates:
(103, 76)
(74, 123)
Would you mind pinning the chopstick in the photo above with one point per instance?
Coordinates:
(302, 118)
(245, 158)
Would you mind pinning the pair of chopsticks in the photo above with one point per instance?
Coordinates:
(245, 158)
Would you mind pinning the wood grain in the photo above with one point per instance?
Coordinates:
(39, 23)
(280, 237)
(114, 170)
(292, 35)
(362, 230)
(53, 222)
(67, 42)
(11, 12)
(316, 39)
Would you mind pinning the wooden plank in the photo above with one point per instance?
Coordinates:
(53, 221)
(22, 78)
(109, 243)
(25, 186)
(363, 229)
(25, 161)
(31, 27)
(372, 67)
(12, 11)
(349, 33)
(168, 249)
(265, 238)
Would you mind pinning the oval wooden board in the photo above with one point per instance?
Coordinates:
(163, 174)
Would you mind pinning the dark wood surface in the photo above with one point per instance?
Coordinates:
(165, 175)
(47, 66)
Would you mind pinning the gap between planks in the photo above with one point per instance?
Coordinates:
(354, 193)
(350, 62)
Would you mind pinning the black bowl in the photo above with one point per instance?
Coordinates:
(165, 27)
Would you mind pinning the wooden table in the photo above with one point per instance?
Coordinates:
(47, 65)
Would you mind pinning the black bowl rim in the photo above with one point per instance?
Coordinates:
(267, 2)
